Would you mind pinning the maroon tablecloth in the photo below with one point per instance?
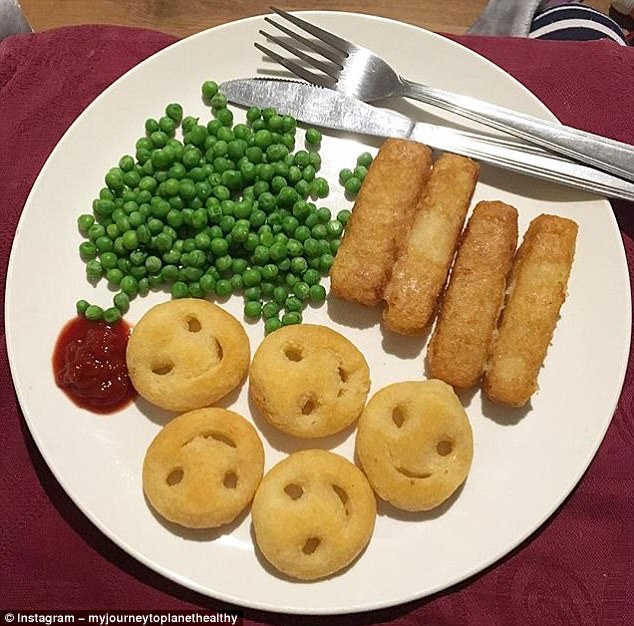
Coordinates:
(578, 569)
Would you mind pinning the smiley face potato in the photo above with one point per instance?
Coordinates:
(309, 380)
(187, 354)
(415, 443)
(313, 514)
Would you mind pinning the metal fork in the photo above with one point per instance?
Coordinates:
(358, 72)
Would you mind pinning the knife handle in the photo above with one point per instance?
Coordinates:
(600, 152)
(538, 163)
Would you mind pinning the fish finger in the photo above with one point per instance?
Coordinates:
(381, 218)
(537, 290)
(474, 296)
(420, 271)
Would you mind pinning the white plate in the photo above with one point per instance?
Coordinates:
(525, 464)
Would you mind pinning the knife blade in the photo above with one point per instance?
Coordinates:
(329, 109)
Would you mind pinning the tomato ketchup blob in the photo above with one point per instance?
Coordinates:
(90, 367)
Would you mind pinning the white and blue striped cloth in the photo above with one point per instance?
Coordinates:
(575, 22)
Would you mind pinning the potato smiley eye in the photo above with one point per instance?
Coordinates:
(312, 543)
(398, 416)
(309, 405)
(193, 324)
(293, 491)
(174, 477)
(230, 480)
(444, 447)
(163, 368)
(293, 353)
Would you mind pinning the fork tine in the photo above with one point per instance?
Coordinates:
(326, 69)
(328, 53)
(336, 42)
(295, 68)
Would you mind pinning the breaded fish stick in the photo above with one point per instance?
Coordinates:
(421, 269)
(537, 289)
(381, 218)
(473, 299)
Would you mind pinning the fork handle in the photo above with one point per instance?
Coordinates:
(603, 153)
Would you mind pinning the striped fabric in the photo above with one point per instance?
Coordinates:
(575, 22)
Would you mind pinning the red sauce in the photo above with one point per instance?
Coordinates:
(89, 364)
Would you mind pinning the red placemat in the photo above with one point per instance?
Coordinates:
(577, 569)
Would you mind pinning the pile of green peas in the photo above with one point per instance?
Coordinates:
(229, 208)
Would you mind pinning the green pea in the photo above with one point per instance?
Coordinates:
(167, 125)
(223, 288)
(334, 228)
(308, 173)
(301, 290)
(313, 137)
(278, 252)
(151, 125)
(280, 293)
(311, 247)
(352, 185)
(253, 309)
(129, 285)
(291, 280)
(94, 270)
(81, 306)
(325, 262)
(111, 315)
(270, 271)
(272, 324)
(227, 222)
(270, 309)
(344, 175)
(319, 231)
(121, 300)
(344, 216)
(251, 277)
(218, 101)
(253, 113)
(311, 277)
(219, 247)
(301, 233)
(263, 139)
(207, 283)
(174, 111)
(317, 293)
(84, 222)
(299, 265)
(179, 289)
(319, 187)
(87, 250)
(108, 260)
(365, 159)
(287, 197)
(93, 313)
(292, 317)
(315, 160)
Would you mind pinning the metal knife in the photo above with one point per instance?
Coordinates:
(331, 109)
